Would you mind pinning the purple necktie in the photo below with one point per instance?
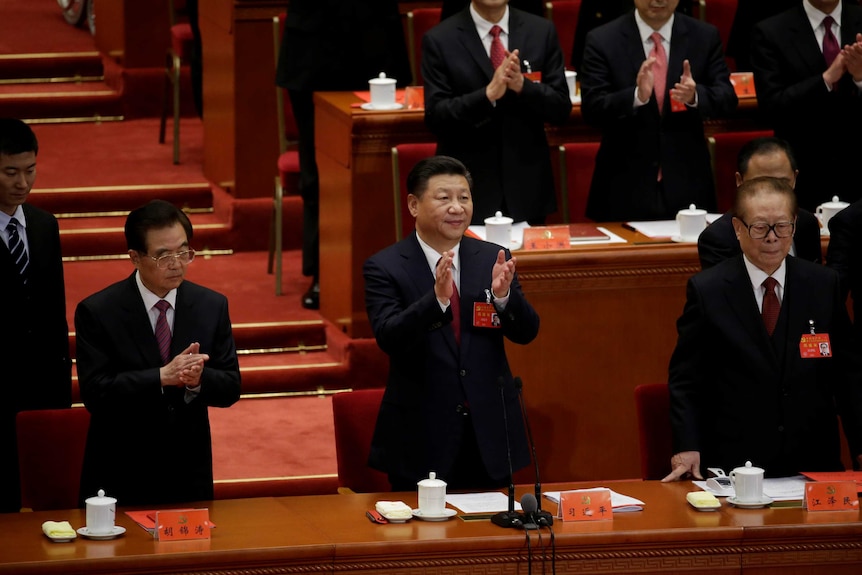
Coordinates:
(830, 43)
(455, 304)
(163, 331)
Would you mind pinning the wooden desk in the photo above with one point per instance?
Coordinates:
(330, 534)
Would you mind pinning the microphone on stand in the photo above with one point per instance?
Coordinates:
(530, 506)
(542, 518)
(510, 518)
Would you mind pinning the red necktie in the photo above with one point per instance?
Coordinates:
(498, 53)
(771, 305)
(830, 43)
(659, 69)
(455, 304)
(163, 331)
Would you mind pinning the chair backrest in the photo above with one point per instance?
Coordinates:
(404, 157)
(720, 13)
(355, 415)
(577, 163)
(50, 456)
(656, 442)
(724, 150)
(564, 15)
(419, 21)
(288, 133)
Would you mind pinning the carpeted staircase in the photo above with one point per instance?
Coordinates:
(94, 165)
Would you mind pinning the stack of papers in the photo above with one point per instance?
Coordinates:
(619, 502)
(778, 488)
(663, 228)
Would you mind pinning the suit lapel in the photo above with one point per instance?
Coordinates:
(468, 37)
(740, 299)
(473, 287)
(135, 319)
(183, 320)
(801, 41)
(679, 51)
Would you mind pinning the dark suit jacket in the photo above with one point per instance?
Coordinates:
(636, 141)
(748, 14)
(503, 146)
(34, 343)
(718, 241)
(738, 395)
(341, 44)
(844, 255)
(420, 426)
(788, 64)
(146, 445)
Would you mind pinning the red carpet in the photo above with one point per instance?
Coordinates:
(37, 26)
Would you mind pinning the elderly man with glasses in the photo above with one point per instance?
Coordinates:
(747, 380)
(154, 352)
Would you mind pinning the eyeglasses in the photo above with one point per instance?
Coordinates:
(760, 230)
(164, 262)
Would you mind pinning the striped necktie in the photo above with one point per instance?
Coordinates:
(163, 331)
(16, 248)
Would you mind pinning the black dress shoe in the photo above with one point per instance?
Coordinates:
(311, 298)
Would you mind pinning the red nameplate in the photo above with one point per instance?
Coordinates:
(182, 524)
(585, 505)
(743, 84)
(831, 496)
(546, 238)
(815, 345)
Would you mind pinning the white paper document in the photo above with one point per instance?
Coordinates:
(663, 228)
(777, 488)
(620, 503)
(490, 502)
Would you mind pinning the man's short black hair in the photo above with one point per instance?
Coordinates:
(424, 170)
(763, 146)
(155, 215)
(16, 137)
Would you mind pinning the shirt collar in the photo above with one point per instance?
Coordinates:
(483, 27)
(150, 298)
(757, 275)
(18, 215)
(646, 30)
(815, 16)
(432, 256)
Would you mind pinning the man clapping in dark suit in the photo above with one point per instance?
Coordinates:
(484, 111)
(154, 353)
(431, 300)
(747, 380)
(649, 79)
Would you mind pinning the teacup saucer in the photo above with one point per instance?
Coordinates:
(446, 514)
(764, 502)
(381, 107)
(115, 532)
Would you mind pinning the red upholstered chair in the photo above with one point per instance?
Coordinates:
(50, 456)
(656, 442)
(287, 181)
(404, 157)
(724, 149)
(577, 162)
(355, 415)
(182, 44)
(419, 21)
(720, 14)
(564, 15)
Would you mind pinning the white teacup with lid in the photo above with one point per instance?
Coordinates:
(747, 483)
(498, 229)
(691, 222)
(101, 512)
(382, 91)
(432, 496)
(826, 210)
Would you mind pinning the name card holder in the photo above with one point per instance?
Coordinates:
(831, 496)
(182, 524)
(585, 505)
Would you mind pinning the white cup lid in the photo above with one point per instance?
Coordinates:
(432, 481)
(498, 219)
(382, 79)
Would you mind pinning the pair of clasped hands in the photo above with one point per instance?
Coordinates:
(849, 60)
(501, 276)
(185, 369)
(683, 91)
(507, 76)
